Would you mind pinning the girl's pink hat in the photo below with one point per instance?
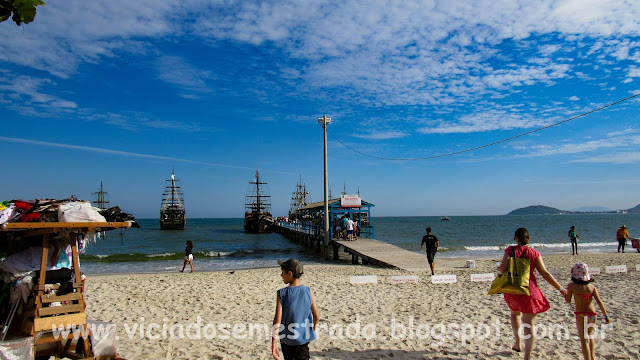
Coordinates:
(580, 271)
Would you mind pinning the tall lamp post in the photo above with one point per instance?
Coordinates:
(324, 121)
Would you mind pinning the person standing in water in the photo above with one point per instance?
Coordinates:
(622, 234)
(573, 235)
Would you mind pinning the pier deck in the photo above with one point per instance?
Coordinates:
(380, 253)
(365, 250)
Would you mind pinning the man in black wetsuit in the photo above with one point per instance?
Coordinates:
(432, 247)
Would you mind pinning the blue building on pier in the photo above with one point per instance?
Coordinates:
(352, 205)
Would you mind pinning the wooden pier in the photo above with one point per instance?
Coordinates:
(363, 250)
(383, 254)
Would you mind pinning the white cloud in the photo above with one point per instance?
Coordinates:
(622, 132)
(418, 53)
(486, 120)
(381, 135)
(612, 140)
(411, 53)
(177, 71)
(549, 49)
(29, 96)
(614, 158)
(634, 71)
(138, 121)
(25, 94)
(574, 98)
(65, 35)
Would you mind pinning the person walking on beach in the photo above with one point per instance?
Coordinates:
(432, 247)
(573, 236)
(586, 315)
(296, 315)
(622, 235)
(524, 308)
(188, 258)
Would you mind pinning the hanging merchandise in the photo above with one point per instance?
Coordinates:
(79, 212)
(8, 213)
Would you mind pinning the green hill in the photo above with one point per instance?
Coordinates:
(634, 209)
(537, 210)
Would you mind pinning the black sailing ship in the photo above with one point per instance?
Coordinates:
(257, 213)
(300, 198)
(172, 212)
(101, 198)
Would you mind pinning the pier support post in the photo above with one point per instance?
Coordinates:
(335, 250)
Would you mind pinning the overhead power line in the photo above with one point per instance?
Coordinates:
(490, 144)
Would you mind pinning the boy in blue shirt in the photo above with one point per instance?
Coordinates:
(296, 315)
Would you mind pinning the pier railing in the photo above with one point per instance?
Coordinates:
(317, 231)
(303, 228)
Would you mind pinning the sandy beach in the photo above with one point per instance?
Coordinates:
(226, 315)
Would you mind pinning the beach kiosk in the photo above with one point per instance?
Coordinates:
(352, 205)
(48, 305)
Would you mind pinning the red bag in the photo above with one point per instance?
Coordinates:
(635, 243)
(23, 205)
(30, 217)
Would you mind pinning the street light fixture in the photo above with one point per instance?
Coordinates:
(324, 121)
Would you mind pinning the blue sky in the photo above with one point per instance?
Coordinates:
(125, 91)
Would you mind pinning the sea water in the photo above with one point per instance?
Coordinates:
(221, 244)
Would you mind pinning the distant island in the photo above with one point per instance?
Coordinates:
(547, 210)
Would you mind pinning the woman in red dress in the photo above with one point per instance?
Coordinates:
(524, 308)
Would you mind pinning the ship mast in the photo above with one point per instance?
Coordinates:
(173, 188)
(258, 189)
(258, 205)
(172, 194)
(299, 198)
(101, 199)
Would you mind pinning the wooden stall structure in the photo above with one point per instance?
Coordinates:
(38, 317)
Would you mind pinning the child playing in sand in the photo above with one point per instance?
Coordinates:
(296, 310)
(584, 294)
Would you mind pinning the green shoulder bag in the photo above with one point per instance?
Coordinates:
(515, 280)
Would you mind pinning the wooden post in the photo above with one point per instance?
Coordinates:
(76, 264)
(88, 351)
(43, 274)
(335, 250)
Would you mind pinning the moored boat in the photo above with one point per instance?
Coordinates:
(101, 198)
(172, 211)
(257, 214)
(300, 198)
